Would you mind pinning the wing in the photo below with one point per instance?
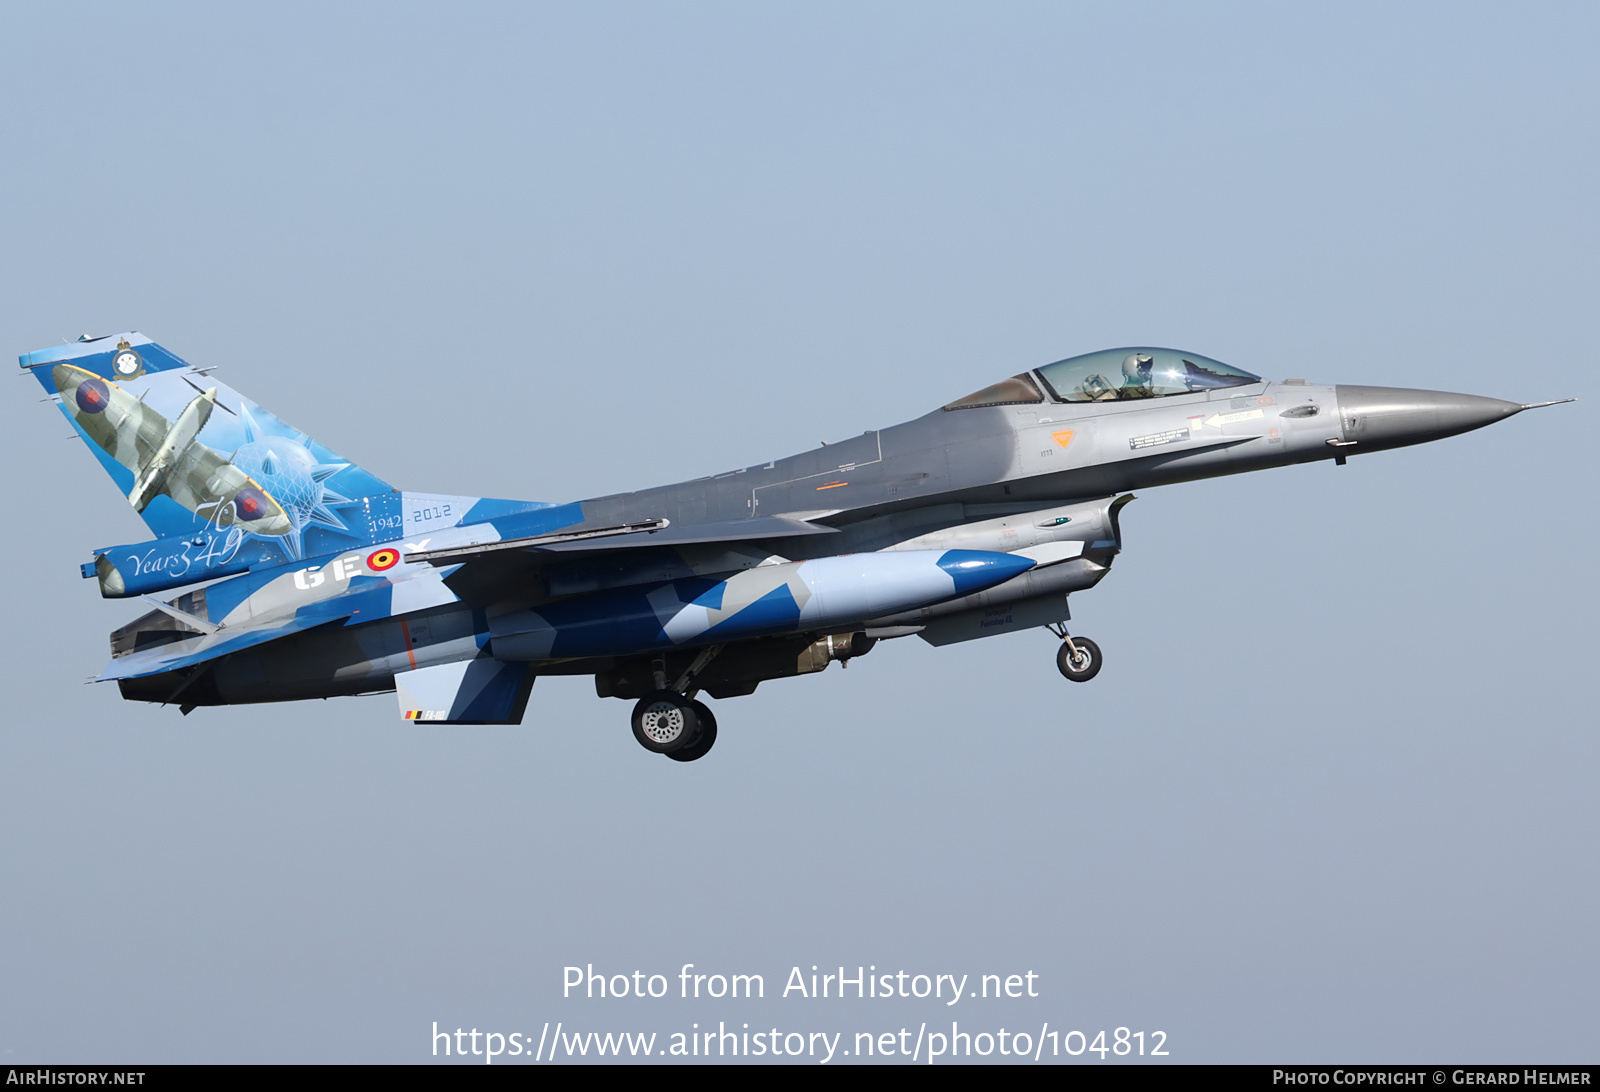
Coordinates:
(587, 559)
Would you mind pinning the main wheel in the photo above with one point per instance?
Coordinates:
(664, 722)
(1084, 666)
(708, 735)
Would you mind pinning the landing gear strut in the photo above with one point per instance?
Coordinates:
(1078, 658)
(669, 721)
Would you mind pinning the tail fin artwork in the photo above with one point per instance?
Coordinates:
(197, 459)
(226, 486)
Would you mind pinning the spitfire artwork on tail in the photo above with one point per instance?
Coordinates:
(308, 577)
(164, 456)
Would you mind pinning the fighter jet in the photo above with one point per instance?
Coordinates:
(980, 517)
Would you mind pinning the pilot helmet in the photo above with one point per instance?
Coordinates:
(1136, 369)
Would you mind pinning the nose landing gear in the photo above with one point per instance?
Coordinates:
(1078, 658)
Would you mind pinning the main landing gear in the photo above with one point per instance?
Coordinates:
(1078, 658)
(670, 722)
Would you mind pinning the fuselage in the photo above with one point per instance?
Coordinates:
(1019, 472)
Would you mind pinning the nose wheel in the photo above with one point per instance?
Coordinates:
(668, 723)
(1078, 658)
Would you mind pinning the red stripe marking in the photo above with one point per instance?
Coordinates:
(406, 630)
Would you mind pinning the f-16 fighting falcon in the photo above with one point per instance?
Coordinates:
(308, 577)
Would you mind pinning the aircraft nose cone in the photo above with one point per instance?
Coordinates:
(1382, 417)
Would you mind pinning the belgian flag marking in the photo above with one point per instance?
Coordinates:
(379, 560)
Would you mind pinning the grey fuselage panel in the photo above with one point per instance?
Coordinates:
(1024, 456)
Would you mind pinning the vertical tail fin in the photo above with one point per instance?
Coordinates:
(194, 457)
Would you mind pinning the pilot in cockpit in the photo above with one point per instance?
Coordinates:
(1136, 377)
(1096, 388)
(1136, 381)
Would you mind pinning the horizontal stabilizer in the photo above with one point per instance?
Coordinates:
(191, 621)
(479, 691)
(200, 648)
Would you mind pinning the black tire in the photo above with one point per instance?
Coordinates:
(708, 736)
(1086, 667)
(664, 722)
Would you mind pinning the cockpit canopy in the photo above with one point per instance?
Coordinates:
(1112, 375)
